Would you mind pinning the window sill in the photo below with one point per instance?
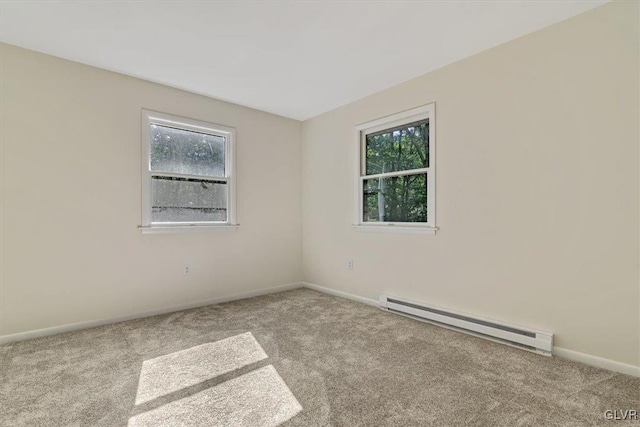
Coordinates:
(180, 229)
(394, 229)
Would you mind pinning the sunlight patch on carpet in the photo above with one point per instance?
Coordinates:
(173, 372)
(258, 398)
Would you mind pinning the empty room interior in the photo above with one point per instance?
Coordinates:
(320, 213)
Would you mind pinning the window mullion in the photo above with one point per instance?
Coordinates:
(190, 177)
(397, 173)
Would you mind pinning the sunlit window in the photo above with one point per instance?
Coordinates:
(188, 176)
(396, 179)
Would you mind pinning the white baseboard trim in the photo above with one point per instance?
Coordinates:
(587, 359)
(340, 294)
(38, 333)
(596, 361)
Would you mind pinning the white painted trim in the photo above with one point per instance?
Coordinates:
(394, 229)
(406, 116)
(427, 111)
(188, 228)
(587, 359)
(598, 362)
(211, 178)
(38, 333)
(149, 117)
(404, 172)
(340, 294)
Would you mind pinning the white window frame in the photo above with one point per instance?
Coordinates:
(406, 117)
(153, 117)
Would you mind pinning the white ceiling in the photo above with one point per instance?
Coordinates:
(296, 59)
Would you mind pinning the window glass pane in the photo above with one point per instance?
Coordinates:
(186, 152)
(182, 200)
(397, 149)
(395, 199)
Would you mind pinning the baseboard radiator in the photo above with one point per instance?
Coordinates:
(526, 339)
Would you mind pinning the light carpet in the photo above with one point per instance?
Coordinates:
(296, 358)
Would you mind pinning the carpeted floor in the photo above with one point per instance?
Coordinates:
(297, 358)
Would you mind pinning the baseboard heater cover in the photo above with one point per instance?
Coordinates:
(526, 339)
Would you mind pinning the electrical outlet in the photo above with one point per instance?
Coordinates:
(350, 264)
(187, 269)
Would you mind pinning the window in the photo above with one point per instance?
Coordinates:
(395, 183)
(187, 173)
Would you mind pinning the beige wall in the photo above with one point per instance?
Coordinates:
(537, 188)
(71, 251)
(537, 191)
